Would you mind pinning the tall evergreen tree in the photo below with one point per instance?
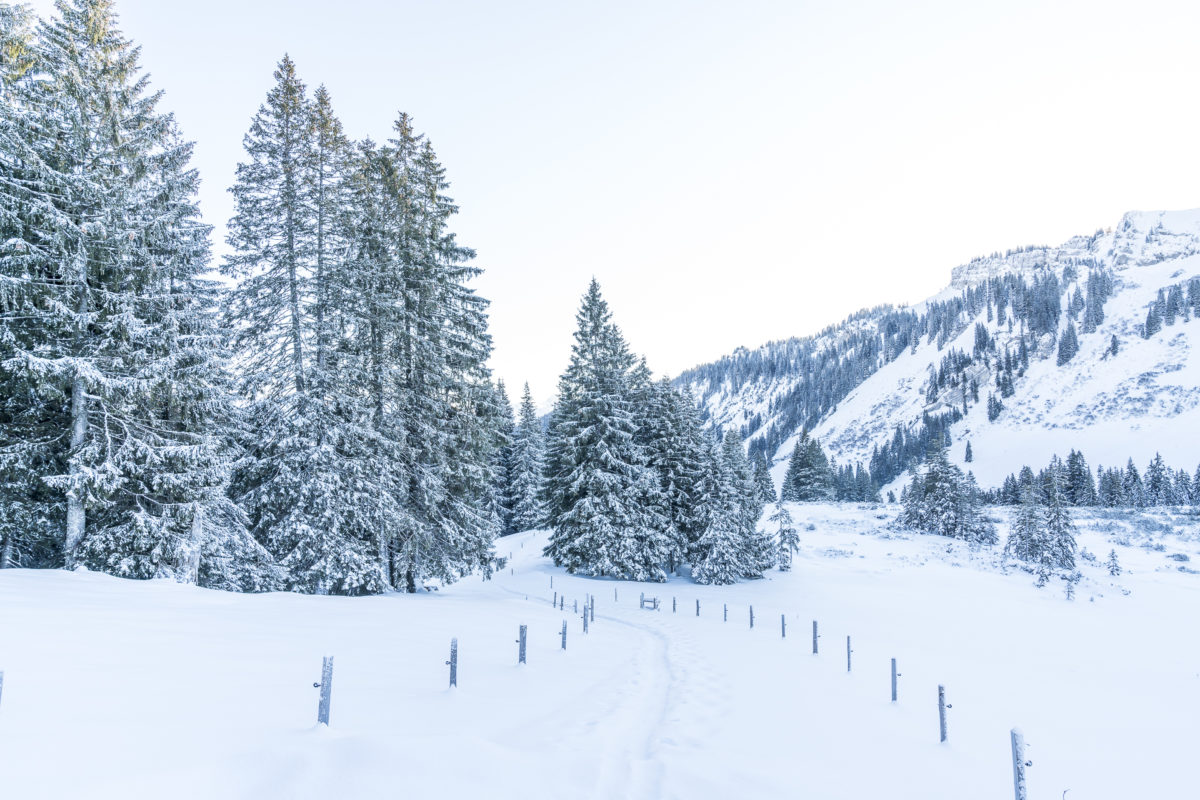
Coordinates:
(787, 539)
(762, 478)
(527, 464)
(108, 329)
(1068, 344)
(597, 480)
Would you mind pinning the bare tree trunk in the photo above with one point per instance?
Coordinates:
(76, 517)
(189, 568)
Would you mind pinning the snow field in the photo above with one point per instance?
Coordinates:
(149, 689)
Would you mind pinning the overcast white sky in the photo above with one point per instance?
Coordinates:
(731, 172)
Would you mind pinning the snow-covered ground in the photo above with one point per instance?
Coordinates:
(130, 689)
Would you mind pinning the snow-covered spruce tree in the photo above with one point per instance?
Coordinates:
(943, 501)
(528, 450)
(1026, 536)
(438, 389)
(34, 412)
(745, 502)
(1059, 552)
(680, 456)
(502, 462)
(1112, 564)
(308, 482)
(373, 427)
(762, 477)
(809, 477)
(1068, 344)
(1157, 482)
(116, 340)
(599, 490)
(787, 539)
(720, 554)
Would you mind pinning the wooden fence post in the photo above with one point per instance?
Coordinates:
(576, 606)
(593, 613)
(697, 607)
(453, 662)
(894, 676)
(725, 612)
(554, 602)
(521, 645)
(815, 637)
(942, 711)
(848, 652)
(585, 618)
(326, 687)
(751, 617)
(783, 626)
(672, 605)
(564, 635)
(1020, 791)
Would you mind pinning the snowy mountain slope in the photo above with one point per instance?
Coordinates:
(148, 689)
(1143, 400)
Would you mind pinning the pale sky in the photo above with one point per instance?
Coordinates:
(732, 172)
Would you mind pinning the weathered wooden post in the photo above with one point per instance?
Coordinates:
(554, 602)
(593, 613)
(894, 676)
(576, 606)
(564, 635)
(697, 607)
(326, 687)
(521, 645)
(453, 662)
(1020, 792)
(614, 594)
(585, 618)
(725, 612)
(551, 577)
(848, 652)
(751, 617)
(942, 711)
(783, 625)
(672, 605)
(815, 637)
(641, 599)
(562, 601)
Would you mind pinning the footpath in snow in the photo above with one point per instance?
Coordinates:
(129, 689)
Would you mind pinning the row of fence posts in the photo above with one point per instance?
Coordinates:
(589, 612)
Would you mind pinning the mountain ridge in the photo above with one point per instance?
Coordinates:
(1138, 401)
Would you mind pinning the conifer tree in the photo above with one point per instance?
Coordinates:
(597, 480)
(1068, 344)
(118, 409)
(1059, 552)
(527, 465)
(1026, 535)
(1112, 564)
(787, 539)
(503, 464)
(762, 477)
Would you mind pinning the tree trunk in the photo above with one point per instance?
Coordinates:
(76, 517)
(410, 576)
(189, 567)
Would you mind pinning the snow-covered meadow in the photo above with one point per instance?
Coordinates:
(116, 688)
